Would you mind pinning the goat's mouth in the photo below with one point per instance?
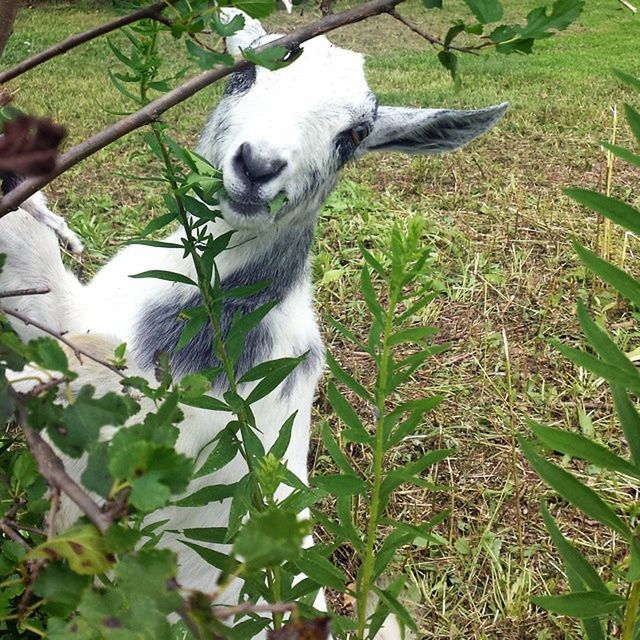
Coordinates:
(247, 208)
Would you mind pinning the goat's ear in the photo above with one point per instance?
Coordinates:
(247, 35)
(428, 130)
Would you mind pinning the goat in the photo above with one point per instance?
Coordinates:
(287, 132)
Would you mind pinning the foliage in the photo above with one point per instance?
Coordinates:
(600, 604)
(138, 471)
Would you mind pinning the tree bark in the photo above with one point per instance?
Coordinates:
(8, 12)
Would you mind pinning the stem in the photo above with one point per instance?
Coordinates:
(631, 614)
(365, 575)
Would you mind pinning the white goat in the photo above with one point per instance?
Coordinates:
(274, 132)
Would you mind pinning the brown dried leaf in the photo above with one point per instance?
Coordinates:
(29, 145)
(316, 629)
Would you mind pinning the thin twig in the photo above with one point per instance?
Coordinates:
(223, 613)
(24, 292)
(152, 112)
(41, 387)
(13, 535)
(150, 11)
(58, 336)
(429, 38)
(52, 468)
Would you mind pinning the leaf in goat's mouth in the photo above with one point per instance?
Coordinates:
(277, 203)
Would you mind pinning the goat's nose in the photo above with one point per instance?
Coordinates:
(255, 166)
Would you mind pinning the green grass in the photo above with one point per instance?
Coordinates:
(500, 229)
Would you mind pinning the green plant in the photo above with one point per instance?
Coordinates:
(592, 598)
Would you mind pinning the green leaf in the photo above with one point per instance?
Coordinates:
(414, 334)
(216, 559)
(334, 450)
(272, 58)
(215, 535)
(633, 118)
(48, 354)
(623, 153)
(485, 11)
(277, 203)
(207, 495)
(82, 547)
(118, 539)
(581, 604)
(148, 493)
(369, 294)
(206, 402)
(158, 223)
(347, 484)
(563, 13)
(223, 453)
(280, 446)
(255, 8)
(274, 379)
(629, 421)
(208, 59)
(58, 583)
(356, 431)
(171, 276)
(395, 607)
(615, 375)
(576, 445)
(270, 538)
(347, 380)
(612, 208)
(628, 79)
(319, 569)
(573, 491)
(432, 4)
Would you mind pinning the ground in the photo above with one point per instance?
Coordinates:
(501, 232)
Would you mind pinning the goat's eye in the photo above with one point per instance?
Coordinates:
(359, 133)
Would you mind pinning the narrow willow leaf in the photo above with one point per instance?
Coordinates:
(319, 569)
(576, 445)
(606, 348)
(629, 421)
(614, 375)
(628, 79)
(274, 379)
(221, 561)
(356, 431)
(619, 212)
(205, 534)
(263, 369)
(581, 604)
(171, 276)
(622, 282)
(623, 153)
(372, 261)
(341, 485)
(581, 574)
(334, 450)
(633, 118)
(369, 295)
(223, 453)
(206, 402)
(414, 334)
(573, 491)
(347, 380)
(395, 607)
(280, 446)
(207, 495)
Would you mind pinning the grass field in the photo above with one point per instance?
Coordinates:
(501, 233)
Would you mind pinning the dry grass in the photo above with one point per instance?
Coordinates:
(500, 229)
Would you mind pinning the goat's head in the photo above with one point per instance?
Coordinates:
(289, 132)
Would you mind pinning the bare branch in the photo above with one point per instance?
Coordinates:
(36, 291)
(429, 38)
(8, 12)
(13, 535)
(150, 11)
(58, 336)
(223, 613)
(152, 112)
(51, 467)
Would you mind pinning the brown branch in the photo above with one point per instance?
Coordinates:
(152, 112)
(429, 38)
(150, 11)
(223, 613)
(37, 291)
(8, 13)
(13, 535)
(52, 468)
(58, 336)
